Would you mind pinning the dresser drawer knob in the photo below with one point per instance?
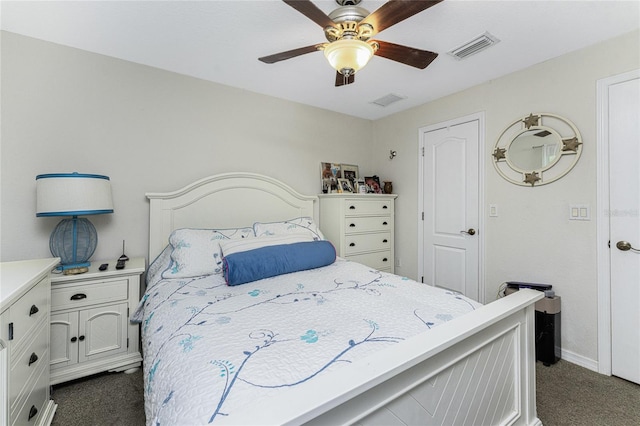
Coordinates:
(385, 207)
(33, 358)
(32, 412)
(385, 223)
(385, 260)
(81, 338)
(352, 207)
(74, 339)
(34, 310)
(352, 245)
(78, 296)
(385, 241)
(352, 225)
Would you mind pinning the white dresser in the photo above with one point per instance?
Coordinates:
(25, 295)
(90, 327)
(361, 227)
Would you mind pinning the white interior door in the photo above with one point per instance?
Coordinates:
(624, 223)
(450, 189)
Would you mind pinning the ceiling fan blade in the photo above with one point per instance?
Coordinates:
(342, 81)
(311, 11)
(271, 59)
(406, 55)
(395, 11)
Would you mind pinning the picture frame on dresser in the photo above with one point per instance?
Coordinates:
(350, 172)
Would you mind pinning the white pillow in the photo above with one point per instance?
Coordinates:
(196, 252)
(236, 246)
(300, 225)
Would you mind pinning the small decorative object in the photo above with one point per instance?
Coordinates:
(71, 195)
(373, 182)
(388, 187)
(392, 154)
(344, 185)
(350, 171)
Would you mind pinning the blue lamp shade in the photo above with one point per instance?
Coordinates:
(70, 195)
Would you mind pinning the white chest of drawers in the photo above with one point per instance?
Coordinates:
(361, 227)
(25, 295)
(90, 327)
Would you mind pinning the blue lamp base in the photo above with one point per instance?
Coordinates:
(73, 240)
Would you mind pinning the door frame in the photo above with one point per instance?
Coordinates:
(478, 116)
(603, 223)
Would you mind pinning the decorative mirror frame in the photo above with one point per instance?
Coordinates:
(569, 144)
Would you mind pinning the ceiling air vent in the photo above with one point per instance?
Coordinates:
(474, 46)
(388, 100)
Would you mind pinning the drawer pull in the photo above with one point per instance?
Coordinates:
(385, 207)
(385, 260)
(33, 358)
(385, 241)
(385, 223)
(352, 225)
(34, 310)
(81, 338)
(74, 339)
(78, 296)
(32, 412)
(352, 207)
(352, 245)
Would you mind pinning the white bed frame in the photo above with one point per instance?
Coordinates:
(478, 369)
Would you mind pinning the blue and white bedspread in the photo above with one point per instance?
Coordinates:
(211, 351)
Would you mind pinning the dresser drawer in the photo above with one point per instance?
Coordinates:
(72, 296)
(354, 207)
(24, 364)
(28, 311)
(367, 224)
(379, 260)
(31, 406)
(359, 243)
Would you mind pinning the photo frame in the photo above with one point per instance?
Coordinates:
(373, 182)
(329, 175)
(345, 186)
(351, 172)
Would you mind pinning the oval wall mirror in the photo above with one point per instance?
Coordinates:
(537, 149)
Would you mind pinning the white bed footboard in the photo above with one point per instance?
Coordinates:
(478, 369)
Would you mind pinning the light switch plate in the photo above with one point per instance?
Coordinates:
(493, 210)
(579, 212)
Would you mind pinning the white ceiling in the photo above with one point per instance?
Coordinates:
(220, 41)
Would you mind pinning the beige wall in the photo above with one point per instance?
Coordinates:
(532, 238)
(66, 110)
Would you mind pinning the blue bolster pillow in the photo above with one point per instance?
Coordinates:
(265, 262)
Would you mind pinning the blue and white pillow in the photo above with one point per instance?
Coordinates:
(196, 252)
(300, 225)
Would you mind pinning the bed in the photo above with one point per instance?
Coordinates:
(339, 343)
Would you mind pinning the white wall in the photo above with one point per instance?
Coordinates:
(66, 110)
(532, 239)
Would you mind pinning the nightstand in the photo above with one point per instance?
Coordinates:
(90, 327)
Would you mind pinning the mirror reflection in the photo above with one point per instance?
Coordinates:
(534, 149)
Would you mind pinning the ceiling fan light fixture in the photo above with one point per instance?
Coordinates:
(348, 54)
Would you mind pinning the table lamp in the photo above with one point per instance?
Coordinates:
(74, 239)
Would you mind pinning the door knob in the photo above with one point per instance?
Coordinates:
(626, 246)
(470, 231)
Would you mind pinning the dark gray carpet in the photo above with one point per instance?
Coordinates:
(567, 395)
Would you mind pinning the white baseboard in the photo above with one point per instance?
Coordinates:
(580, 360)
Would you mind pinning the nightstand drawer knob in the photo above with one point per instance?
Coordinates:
(34, 310)
(74, 339)
(81, 338)
(78, 296)
(32, 412)
(33, 358)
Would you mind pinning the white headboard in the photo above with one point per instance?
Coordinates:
(229, 200)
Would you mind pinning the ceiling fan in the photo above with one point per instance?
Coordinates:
(349, 29)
